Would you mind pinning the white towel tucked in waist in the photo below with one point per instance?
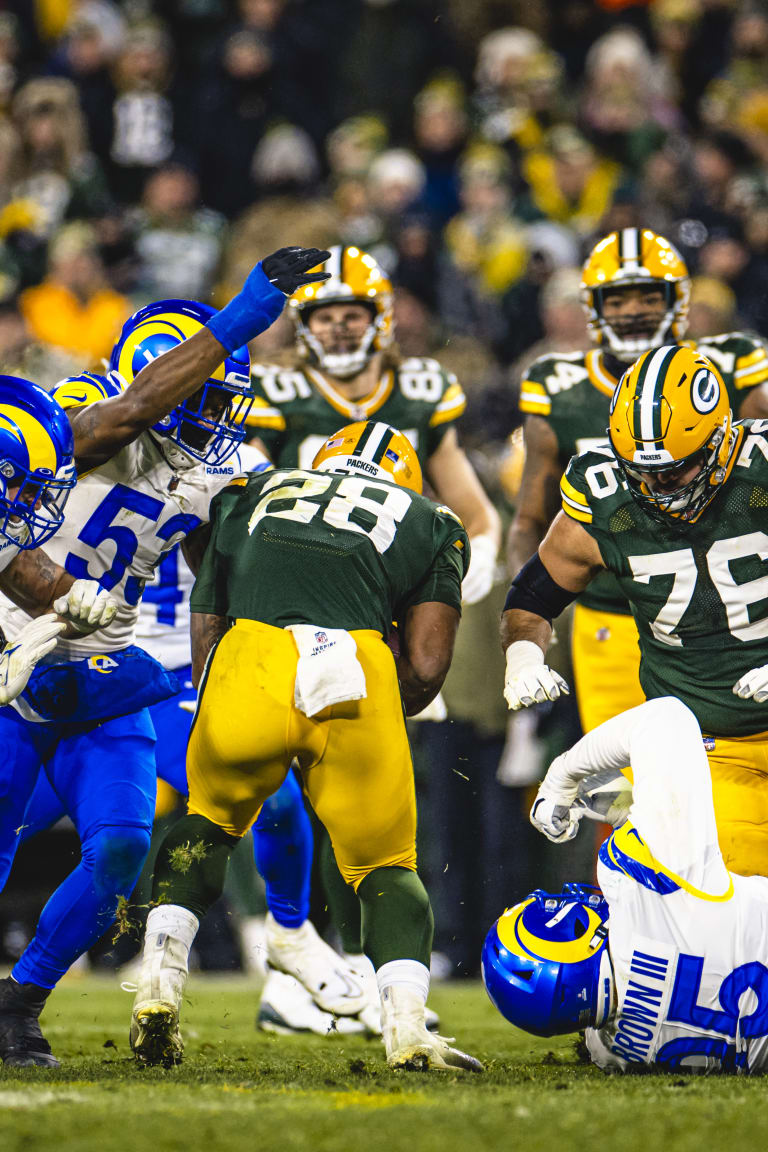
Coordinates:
(328, 671)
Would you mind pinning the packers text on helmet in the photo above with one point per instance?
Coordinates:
(671, 430)
(635, 257)
(355, 278)
(371, 448)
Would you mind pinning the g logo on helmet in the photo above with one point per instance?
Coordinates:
(705, 391)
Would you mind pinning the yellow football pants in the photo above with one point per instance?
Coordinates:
(606, 663)
(355, 760)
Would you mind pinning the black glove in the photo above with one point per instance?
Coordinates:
(288, 268)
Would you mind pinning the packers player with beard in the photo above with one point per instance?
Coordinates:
(345, 367)
(635, 289)
(674, 510)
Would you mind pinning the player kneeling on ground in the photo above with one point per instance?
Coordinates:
(304, 573)
(666, 966)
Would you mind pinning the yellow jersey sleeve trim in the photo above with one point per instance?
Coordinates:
(534, 398)
(262, 415)
(576, 512)
(636, 848)
(573, 494)
(754, 374)
(449, 409)
(749, 358)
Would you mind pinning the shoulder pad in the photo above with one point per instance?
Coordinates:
(278, 386)
(547, 377)
(420, 378)
(589, 478)
(742, 357)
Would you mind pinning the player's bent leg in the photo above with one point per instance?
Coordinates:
(283, 847)
(740, 792)
(606, 665)
(366, 800)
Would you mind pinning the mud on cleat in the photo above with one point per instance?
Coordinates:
(409, 1045)
(299, 952)
(155, 1037)
(22, 1044)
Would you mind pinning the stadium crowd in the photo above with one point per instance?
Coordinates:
(477, 149)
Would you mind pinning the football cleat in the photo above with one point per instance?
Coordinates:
(299, 952)
(288, 1009)
(409, 1046)
(155, 1037)
(370, 1015)
(22, 1044)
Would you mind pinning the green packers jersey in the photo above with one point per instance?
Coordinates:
(336, 551)
(295, 411)
(571, 391)
(698, 591)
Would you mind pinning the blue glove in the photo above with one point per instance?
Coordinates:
(263, 295)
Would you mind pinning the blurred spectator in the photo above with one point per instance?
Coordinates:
(484, 239)
(94, 35)
(74, 308)
(395, 183)
(143, 114)
(285, 161)
(53, 172)
(9, 57)
(179, 244)
(518, 88)
(625, 108)
(354, 144)
(746, 75)
(557, 321)
(712, 309)
(440, 132)
(726, 257)
(569, 182)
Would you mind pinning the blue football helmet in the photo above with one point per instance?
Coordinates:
(546, 964)
(37, 468)
(208, 426)
(86, 388)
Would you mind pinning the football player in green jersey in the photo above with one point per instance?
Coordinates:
(635, 289)
(346, 369)
(304, 573)
(674, 509)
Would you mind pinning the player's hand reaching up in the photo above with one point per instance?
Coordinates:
(290, 268)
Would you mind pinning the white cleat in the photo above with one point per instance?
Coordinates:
(299, 952)
(155, 1036)
(409, 1045)
(288, 1009)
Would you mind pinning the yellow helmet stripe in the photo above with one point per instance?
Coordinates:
(41, 450)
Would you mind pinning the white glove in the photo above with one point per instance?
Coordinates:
(482, 568)
(528, 680)
(86, 606)
(753, 685)
(559, 822)
(606, 796)
(17, 659)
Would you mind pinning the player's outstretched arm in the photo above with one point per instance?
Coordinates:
(426, 650)
(103, 429)
(562, 568)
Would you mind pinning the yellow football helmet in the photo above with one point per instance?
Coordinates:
(355, 276)
(374, 449)
(670, 412)
(637, 257)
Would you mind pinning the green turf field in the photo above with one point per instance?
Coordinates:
(241, 1090)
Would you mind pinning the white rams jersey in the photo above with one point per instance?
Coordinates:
(120, 520)
(8, 549)
(688, 940)
(162, 628)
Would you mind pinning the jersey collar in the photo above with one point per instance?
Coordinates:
(354, 409)
(599, 376)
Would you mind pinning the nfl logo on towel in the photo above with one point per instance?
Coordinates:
(321, 637)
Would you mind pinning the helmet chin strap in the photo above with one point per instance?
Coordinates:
(627, 351)
(176, 457)
(341, 364)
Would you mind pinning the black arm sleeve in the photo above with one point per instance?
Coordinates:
(534, 590)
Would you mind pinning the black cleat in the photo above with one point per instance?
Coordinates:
(22, 1044)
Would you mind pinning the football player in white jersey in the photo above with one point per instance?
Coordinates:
(84, 715)
(667, 966)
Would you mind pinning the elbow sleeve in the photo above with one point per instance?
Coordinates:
(534, 590)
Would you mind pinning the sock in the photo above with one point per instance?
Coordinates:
(283, 846)
(172, 920)
(343, 902)
(191, 865)
(405, 972)
(397, 917)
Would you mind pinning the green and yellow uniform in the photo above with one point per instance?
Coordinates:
(572, 392)
(332, 551)
(295, 411)
(698, 593)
